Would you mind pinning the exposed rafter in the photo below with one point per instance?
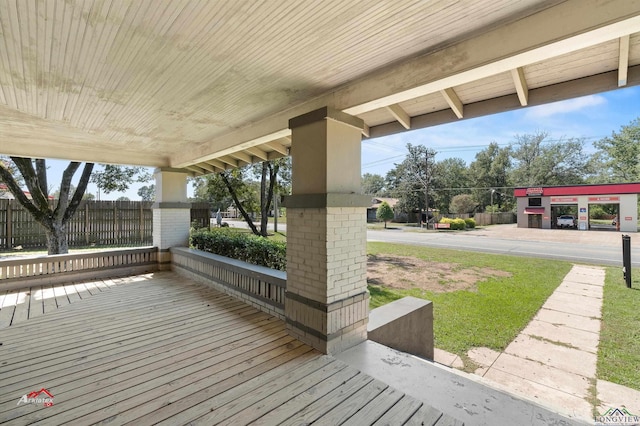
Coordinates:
(623, 61)
(197, 170)
(218, 165)
(278, 147)
(228, 160)
(207, 167)
(454, 101)
(257, 152)
(521, 85)
(242, 157)
(365, 131)
(400, 115)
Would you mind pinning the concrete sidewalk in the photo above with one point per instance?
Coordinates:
(553, 360)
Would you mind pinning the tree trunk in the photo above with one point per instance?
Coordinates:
(57, 239)
(243, 212)
(264, 205)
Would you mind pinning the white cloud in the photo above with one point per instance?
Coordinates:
(565, 107)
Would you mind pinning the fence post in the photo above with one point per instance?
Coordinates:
(9, 226)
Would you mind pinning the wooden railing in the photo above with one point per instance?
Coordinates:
(258, 286)
(65, 267)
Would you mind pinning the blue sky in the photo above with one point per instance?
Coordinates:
(591, 117)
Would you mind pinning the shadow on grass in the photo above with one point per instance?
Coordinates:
(380, 295)
(401, 262)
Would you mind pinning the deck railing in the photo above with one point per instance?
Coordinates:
(66, 267)
(261, 287)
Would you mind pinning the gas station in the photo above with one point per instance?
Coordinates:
(538, 207)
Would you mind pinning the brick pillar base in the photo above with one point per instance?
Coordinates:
(327, 302)
(171, 213)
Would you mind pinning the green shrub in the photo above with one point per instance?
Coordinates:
(455, 224)
(471, 223)
(245, 247)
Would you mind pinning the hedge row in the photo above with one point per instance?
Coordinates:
(459, 224)
(246, 247)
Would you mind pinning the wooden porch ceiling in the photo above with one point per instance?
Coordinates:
(159, 349)
(208, 86)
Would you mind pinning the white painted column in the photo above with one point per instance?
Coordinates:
(327, 302)
(171, 213)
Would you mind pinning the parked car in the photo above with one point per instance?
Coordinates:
(566, 221)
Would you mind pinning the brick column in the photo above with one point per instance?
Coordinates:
(327, 302)
(171, 213)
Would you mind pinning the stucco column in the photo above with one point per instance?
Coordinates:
(327, 303)
(171, 213)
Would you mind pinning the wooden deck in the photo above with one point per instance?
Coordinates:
(162, 349)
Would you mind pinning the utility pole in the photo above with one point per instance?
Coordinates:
(426, 185)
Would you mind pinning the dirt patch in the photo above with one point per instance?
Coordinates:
(408, 272)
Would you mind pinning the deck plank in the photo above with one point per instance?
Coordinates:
(224, 396)
(287, 409)
(262, 400)
(400, 413)
(8, 308)
(325, 404)
(161, 349)
(425, 416)
(376, 407)
(352, 404)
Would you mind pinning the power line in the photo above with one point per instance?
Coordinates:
(460, 148)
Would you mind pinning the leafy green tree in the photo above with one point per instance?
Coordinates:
(54, 214)
(384, 212)
(618, 156)
(410, 180)
(373, 184)
(112, 178)
(462, 203)
(147, 192)
(450, 177)
(538, 161)
(488, 171)
(123, 198)
(250, 189)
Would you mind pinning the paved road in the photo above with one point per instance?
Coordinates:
(574, 252)
(603, 248)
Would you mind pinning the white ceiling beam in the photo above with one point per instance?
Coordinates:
(219, 165)
(568, 26)
(228, 160)
(199, 171)
(454, 101)
(521, 85)
(257, 152)
(278, 147)
(207, 167)
(623, 61)
(242, 157)
(366, 132)
(400, 115)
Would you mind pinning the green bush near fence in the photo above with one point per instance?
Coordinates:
(454, 224)
(241, 246)
(471, 223)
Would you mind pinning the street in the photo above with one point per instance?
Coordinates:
(472, 241)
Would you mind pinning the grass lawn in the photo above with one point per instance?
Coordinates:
(619, 350)
(489, 315)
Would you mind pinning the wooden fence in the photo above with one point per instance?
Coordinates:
(95, 223)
